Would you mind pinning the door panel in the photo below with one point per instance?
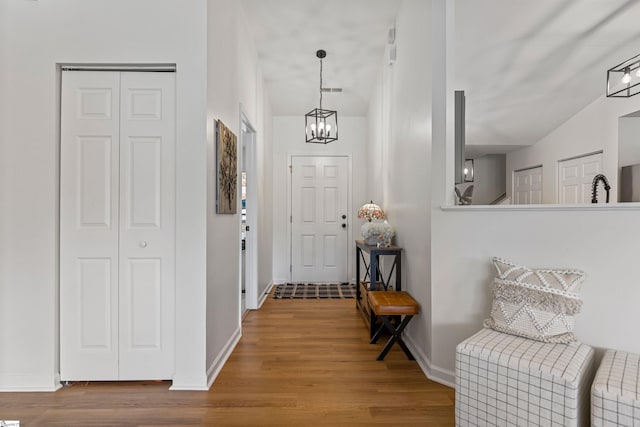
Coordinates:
(575, 177)
(147, 235)
(527, 186)
(331, 249)
(144, 294)
(144, 183)
(89, 225)
(95, 193)
(319, 199)
(94, 285)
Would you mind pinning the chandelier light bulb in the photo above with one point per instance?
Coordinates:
(638, 72)
(627, 77)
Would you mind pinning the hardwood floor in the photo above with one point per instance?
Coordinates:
(299, 363)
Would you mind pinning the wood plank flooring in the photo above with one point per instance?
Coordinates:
(299, 363)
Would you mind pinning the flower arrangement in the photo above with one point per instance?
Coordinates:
(370, 211)
(377, 233)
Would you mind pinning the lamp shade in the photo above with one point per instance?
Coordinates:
(370, 211)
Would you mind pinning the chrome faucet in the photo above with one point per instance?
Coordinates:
(594, 187)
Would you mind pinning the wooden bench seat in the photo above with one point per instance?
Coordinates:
(387, 305)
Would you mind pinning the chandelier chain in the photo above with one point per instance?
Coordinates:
(321, 83)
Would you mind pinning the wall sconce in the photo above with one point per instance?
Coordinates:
(467, 172)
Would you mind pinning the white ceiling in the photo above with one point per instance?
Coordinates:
(526, 65)
(288, 33)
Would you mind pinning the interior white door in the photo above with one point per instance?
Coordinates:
(251, 213)
(89, 225)
(319, 219)
(575, 177)
(147, 224)
(527, 186)
(117, 225)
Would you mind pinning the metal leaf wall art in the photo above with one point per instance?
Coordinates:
(227, 149)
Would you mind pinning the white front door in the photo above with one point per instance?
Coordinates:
(575, 177)
(319, 219)
(117, 225)
(527, 186)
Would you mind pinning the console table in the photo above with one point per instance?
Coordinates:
(371, 278)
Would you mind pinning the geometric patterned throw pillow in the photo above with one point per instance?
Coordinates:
(535, 303)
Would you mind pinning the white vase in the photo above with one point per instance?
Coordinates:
(375, 233)
(371, 240)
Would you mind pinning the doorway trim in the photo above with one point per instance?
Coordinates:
(251, 239)
(350, 218)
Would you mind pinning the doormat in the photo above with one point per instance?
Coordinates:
(315, 291)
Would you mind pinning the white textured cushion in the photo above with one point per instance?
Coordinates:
(535, 303)
(506, 380)
(615, 394)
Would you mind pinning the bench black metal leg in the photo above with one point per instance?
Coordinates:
(377, 334)
(395, 337)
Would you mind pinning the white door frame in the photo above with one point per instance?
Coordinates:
(350, 253)
(251, 237)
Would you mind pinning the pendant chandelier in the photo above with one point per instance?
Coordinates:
(321, 125)
(623, 80)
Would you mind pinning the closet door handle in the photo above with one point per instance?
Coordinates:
(143, 244)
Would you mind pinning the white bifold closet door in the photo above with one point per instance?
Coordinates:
(117, 225)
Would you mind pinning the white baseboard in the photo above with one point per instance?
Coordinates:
(265, 294)
(434, 373)
(26, 382)
(223, 356)
(189, 382)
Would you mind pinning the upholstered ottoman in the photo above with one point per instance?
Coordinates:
(615, 395)
(506, 380)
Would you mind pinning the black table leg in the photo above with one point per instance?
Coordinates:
(395, 337)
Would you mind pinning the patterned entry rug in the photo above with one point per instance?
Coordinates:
(315, 291)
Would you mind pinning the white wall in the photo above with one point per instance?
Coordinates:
(594, 128)
(288, 139)
(399, 158)
(234, 82)
(629, 141)
(600, 240)
(488, 178)
(35, 37)
(265, 198)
